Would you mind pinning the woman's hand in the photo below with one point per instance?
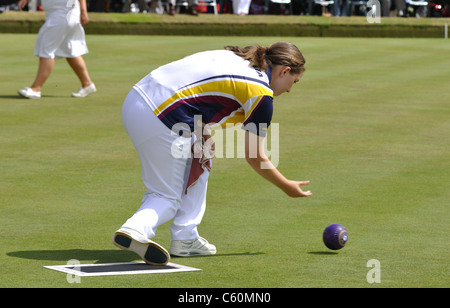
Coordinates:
(84, 19)
(293, 189)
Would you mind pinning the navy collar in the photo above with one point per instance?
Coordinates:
(269, 72)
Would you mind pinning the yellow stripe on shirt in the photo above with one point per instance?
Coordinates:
(242, 91)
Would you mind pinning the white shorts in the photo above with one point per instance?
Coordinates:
(62, 35)
(164, 175)
(241, 6)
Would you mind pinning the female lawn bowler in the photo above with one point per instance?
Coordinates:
(235, 85)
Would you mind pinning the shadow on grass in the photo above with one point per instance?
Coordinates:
(322, 253)
(223, 255)
(17, 96)
(101, 256)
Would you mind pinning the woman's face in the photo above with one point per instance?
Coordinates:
(282, 79)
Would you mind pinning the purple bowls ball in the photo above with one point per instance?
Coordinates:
(335, 236)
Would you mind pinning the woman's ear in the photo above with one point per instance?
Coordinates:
(285, 70)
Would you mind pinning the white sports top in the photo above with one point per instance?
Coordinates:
(218, 85)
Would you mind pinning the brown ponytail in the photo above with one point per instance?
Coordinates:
(280, 53)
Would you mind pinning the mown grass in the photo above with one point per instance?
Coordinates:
(368, 125)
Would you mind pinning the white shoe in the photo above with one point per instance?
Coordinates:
(83, 92)
(152, 253)
(197, 247)
(29, 93)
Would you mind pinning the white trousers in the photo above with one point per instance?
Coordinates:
(164, 174)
